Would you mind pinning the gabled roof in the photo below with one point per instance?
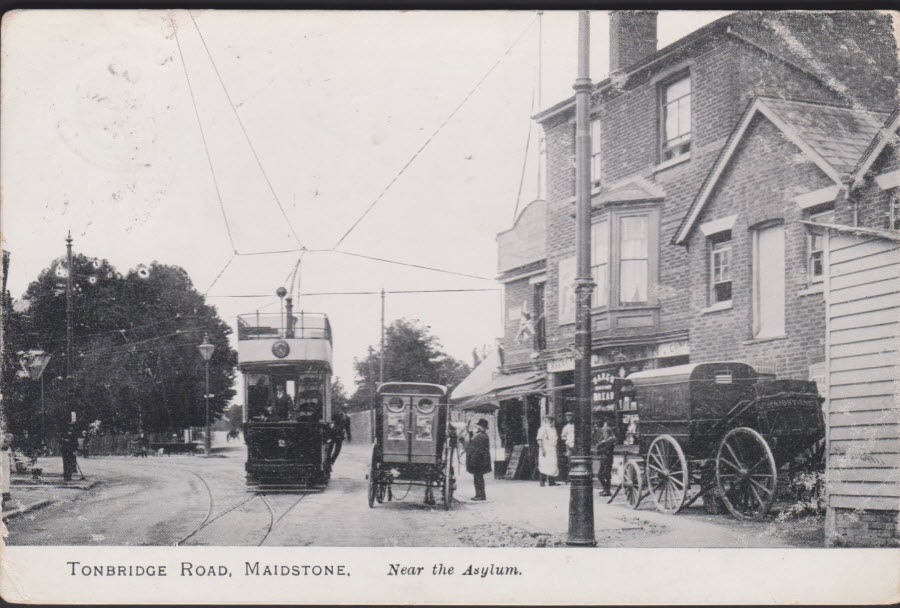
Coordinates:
(833, 47)
(832, 137)
(839, 135)
(887, 133)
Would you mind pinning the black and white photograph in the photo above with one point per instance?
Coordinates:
(289, 281)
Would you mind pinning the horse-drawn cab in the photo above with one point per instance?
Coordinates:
(414, 442)
(722, 426)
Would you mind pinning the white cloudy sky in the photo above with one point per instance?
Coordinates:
(98, 135)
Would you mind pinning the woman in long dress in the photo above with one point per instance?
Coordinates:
(547, 439)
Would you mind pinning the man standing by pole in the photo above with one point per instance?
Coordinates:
(581, 499)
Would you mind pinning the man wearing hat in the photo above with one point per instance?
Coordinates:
(478, 458)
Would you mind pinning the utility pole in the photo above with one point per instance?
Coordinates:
(381, 371)
(581, 498)
(69, 371)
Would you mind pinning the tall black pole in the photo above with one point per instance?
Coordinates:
(208, 438)
(69, 371)
(581, 499)
(381, 370)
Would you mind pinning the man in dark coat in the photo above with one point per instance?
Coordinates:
(68, 445)
(478, 458)
(604, 447)
(340, 428)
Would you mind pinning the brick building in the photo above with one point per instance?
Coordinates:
(660, 124)
(756, 271)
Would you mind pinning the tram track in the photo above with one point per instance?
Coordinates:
(209, 519)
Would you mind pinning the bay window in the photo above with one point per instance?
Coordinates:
(600, 262)
(634, 259)
(624, 258)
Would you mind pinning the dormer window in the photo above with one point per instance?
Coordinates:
(676, 118)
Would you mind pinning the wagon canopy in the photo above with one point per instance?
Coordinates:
(696, 391)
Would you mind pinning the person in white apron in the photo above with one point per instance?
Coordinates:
(547, 438)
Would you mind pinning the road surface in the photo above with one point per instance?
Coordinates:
(192, 500)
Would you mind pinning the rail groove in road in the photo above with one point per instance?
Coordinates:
(209, 519)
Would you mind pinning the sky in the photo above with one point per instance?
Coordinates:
(313, 116)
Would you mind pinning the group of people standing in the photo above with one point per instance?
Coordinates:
(548, 441)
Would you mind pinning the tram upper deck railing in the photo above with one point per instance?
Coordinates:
(273, 326)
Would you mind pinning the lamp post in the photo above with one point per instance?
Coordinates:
(206, 351)
(581, 500)
(34, 362)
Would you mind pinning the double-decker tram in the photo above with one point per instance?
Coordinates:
(286, 364)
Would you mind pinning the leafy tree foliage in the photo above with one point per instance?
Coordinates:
(338, 395)
(412, 354)
(135, 360)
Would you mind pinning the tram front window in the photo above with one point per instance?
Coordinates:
(280, 398)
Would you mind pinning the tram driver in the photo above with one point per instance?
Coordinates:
(279, 410)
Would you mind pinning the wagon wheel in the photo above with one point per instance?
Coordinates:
(632, 483)
(668, 477)
(447, 494)
(373, 477)
(746, 474)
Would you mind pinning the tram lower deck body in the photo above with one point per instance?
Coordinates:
(286, 457)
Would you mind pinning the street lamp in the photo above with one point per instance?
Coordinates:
(206, 351)
(33, 362)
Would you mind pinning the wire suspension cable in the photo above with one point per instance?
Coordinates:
(244, 130)
(377, 259)
(525, 157)
(432, 136)
(202, 134)
(361, 293)
(221, 272)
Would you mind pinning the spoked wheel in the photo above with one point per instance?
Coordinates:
(668, 477)
(632, 483)
(746, 475)
(448, 480)
(380, 492)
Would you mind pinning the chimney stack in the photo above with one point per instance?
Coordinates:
(632, 37)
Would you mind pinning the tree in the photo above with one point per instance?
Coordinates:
(338, 394)
(135, 359)
(412, 354)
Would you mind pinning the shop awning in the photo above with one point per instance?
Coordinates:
(488, 395)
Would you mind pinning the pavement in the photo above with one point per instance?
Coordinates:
(192, 500)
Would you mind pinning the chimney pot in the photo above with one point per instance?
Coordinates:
(632, 37)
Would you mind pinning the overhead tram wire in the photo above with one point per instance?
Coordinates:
(363, 293)
(202, 134)
(219, 276)
(377, 259)
(244, 130)
(432, 136)
(368, 257)
(535, 100)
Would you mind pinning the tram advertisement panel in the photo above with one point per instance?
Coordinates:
(396, 427)
(424, 414)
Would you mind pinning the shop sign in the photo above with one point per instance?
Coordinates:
(604, 389)
(673, 349)
(561, 365)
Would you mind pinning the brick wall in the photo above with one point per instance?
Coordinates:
(725, 72)
(764, 174)
(865, 528)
